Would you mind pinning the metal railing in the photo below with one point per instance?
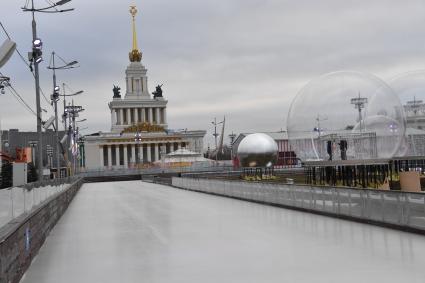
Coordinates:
(388, 207)
(16, 201)
(117, 171)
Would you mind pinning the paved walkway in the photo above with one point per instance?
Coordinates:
(140, 232)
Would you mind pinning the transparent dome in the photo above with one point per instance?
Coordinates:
(345, 116)
(410, 88)
(257, 150)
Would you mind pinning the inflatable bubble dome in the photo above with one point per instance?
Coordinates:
(345, 115)
(410, 88)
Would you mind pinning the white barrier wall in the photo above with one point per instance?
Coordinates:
(388, 207)
(16, 201)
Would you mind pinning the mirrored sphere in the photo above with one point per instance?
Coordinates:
(345, 115)
(257, 150)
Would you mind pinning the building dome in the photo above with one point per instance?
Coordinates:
(257, 150)
(346, 115)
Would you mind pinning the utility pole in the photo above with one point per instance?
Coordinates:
(73, 111)
(36, 50)
(216, 135)
(55, 99)
(232, 137)
(35, 59)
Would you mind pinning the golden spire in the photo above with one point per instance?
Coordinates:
(135, 55)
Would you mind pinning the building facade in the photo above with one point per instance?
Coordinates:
(13, 140)
(139, 132)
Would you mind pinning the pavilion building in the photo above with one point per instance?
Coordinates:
(139, 127)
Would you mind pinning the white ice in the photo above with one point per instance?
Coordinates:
(141, 232)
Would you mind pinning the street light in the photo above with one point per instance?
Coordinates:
(4, 81)
(65, 114)
(55, 98)
(35, 59)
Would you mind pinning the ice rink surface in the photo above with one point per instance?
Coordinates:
(140, 232)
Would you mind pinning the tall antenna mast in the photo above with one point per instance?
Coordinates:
(359, 103)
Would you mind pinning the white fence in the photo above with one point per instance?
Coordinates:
(389, 207)
(19, 200)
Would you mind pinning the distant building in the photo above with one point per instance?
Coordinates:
(286, 156)
(13, 139)
(414, 143)
(415, 114)
(139, 126)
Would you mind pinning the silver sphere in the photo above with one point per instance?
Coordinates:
(257, 150)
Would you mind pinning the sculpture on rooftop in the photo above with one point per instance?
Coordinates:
(116, 91)
(157, 92)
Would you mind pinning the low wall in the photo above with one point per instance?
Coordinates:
(21, 238)
(394, 209)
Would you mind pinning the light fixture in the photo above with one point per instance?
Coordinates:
(38, 59)
(37, 44)
(61, 2)
(72, 63)
(57, 88)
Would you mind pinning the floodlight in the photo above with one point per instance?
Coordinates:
(37, 44)
(61, 2)
(6, 51)
(49, 122)
(72, 63)
(63, 140)
(57, 88)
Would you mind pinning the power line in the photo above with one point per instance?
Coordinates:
(25, 62)
(19, 97)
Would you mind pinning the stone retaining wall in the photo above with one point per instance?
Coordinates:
(21, 238)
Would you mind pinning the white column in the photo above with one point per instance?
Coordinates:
(165, 115)
(179, 145)
(121, 116)
(134, 110)
(109, 155)
(141, 153)
(150, 115)
(156, 158)
(125, 156)
(133, 153)
(101, 156)
(117, 155)
(158, 115)
(148, 153)
(136, 115)
(143, 115)
(128, 116)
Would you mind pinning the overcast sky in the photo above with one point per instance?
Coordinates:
(245, 59)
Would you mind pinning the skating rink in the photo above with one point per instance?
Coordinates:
(141, 232)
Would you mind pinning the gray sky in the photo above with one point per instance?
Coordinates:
(245, 59)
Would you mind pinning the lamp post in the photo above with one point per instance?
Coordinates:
(73, 112)
(35, 59)
(55, 99)
(65, 114)
(216, 135)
